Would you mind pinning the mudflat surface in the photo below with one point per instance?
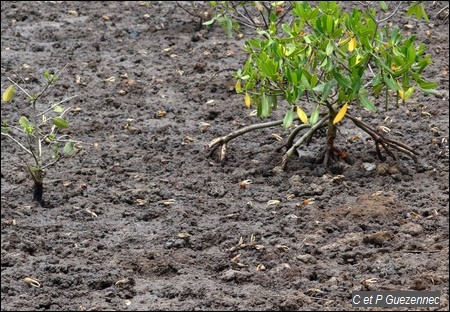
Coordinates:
(142, 219)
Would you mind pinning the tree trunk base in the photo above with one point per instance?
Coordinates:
(333, 155)
(38, 191)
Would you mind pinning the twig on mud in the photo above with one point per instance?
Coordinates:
(442, 10)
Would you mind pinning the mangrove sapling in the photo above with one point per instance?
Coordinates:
(253, 15)
(331, 63)
(37, 132)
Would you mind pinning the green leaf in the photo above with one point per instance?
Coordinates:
(272, 17)
(6, 130)
(264, 107)
(319, 88)
(307, 39)
(273, 102)
(329, 48)
(409, 93)
(226, 24)
(288, 118)
(329, 24)
(390, 82)
(377, 90)
(210, 22)
(430, 91)
(411, 54)
(69, 149)
(424, 13)
(50, 78)
(58, 109)
(24, 122)
(47, 75)
(356, 84)
(60, 122)
(383, 6)
(292, 77)
(326, 90)
(286, 29)
(427, 84)
(314, 80)
(342, 81)
(26, 125)
(405, 79)
(366, 103)
(418, 10)
(324, 62)
(314, 116)
(268, 66)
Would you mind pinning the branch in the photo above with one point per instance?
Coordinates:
(187, 11)
(306, 136)
(390, 15)
(442, 10)
(21, 89)
(280, 19)
(250, 22)
(292, 136)
(18, 143)
(386, 143)
(56, 104)
(222, 141)
(268, 14)
(53, 162)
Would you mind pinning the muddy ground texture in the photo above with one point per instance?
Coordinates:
(142, 219)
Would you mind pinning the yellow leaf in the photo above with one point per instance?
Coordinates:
(401, 93)
(302, 115)
(247, 100)
(352, 44)
(237, 87)
(341, 114)
(311, 57)
(8, 94)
